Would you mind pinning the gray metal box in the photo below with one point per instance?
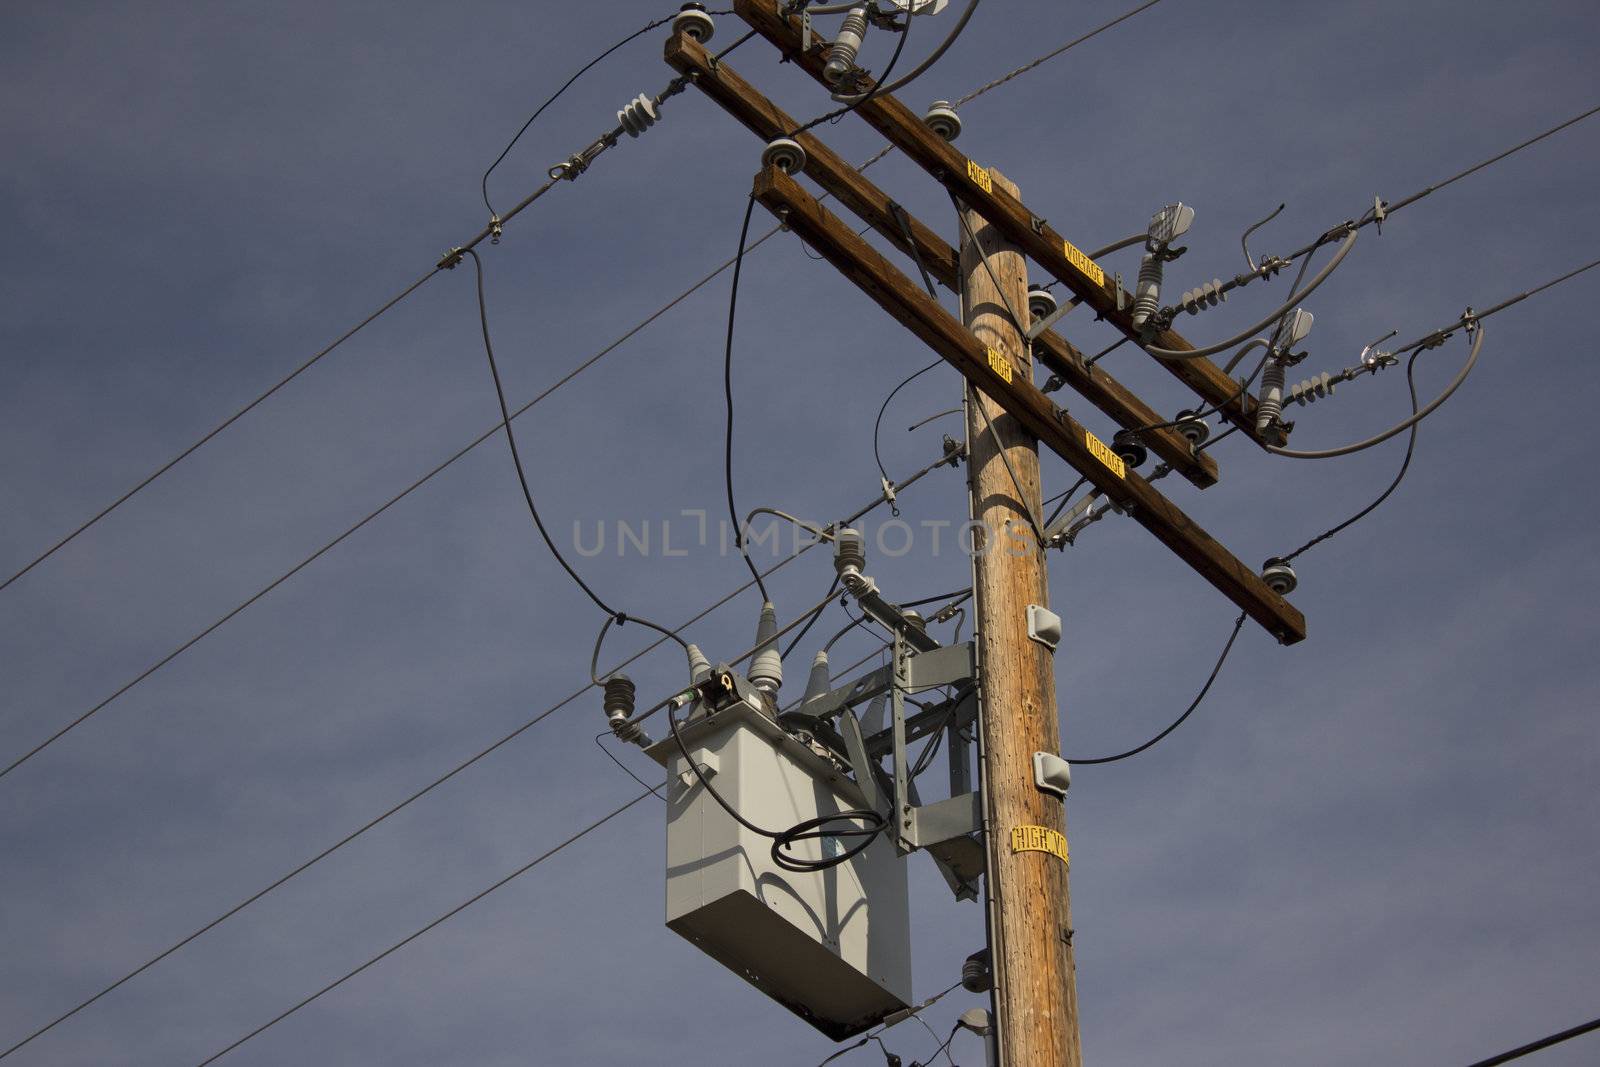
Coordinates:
(832, 946)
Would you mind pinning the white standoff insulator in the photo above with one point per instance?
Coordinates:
(1194, 429)
(1270, 411)
(693, 22)
(699, 666)
(639, 115)
(942, 119)
(1313, 389)
(766, 670)
(842, 56)
(786, 154)
(1208, 295)
(1041, 302)
(818, 681)
(1279, 576)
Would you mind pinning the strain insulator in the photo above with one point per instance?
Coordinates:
(842, 56)
(639, 115)
(1208, 295)
(1313, 389)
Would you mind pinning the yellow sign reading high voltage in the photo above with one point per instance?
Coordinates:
(1040, 839)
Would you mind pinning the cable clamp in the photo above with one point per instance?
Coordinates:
(494, 229)
(450, 259)
(888, 496)
(1374, 358)
(1379, 213)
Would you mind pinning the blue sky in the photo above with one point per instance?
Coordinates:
(1377, 846)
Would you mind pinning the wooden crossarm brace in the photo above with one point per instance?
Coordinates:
(768, 121)
(996, 375)
(971, 184)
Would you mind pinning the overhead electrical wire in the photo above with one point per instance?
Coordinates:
(480, 439)
(839, 113)
(215, 430)
(1543, 1043)
(403, 942)
(1026, 67)
(636, 34)
(1405, 465)
(516, 456)
(727, 393)
(1238, 624)
(436, 782)
(599, 741)
(1377, 214)
(567, 171)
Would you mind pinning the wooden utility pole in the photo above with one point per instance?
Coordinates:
(1030, 918)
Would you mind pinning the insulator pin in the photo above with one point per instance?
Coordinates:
(639, 115)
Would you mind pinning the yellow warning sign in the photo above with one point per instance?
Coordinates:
(1000, 365)
(1098, 449)
(980, 175)
(1039, 839)
(1083, 263)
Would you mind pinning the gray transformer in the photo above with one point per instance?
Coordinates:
(832, 946)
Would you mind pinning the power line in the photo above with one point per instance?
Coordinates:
(516, 456)
(487, 232)
(641, 31)
(1542, 1043)
(727, 393)
(1026, 67)
(568, 171)
(435, 783)
(221, 426)
(407, 491)
(1237, 625)
(1405, 465)
(403, 942)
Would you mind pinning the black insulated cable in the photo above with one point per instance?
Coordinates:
(1237, 625)
(516, 456)
(727, 392)
(1543, 1043)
